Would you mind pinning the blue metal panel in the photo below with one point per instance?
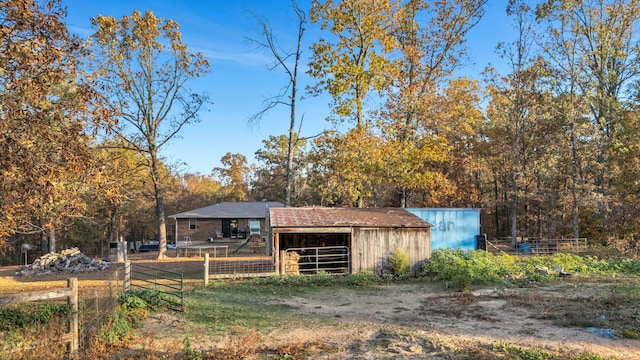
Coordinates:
(451, 228)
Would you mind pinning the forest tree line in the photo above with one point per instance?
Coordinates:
(547, 148)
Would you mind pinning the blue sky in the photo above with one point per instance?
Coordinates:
(239, 79)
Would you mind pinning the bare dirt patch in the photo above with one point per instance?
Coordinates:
(484, 316)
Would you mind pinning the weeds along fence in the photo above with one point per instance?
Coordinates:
(170, 284)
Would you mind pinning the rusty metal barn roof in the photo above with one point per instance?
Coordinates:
(344, 217)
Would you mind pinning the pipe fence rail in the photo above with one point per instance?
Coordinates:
(313, 260)
(537, 246)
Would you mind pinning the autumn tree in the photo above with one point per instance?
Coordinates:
(513, 104)
(343, 166)
(196, 191)
(595, 48)
(233, 176)
(145, 68)
(47, 105)
(122, 202)
(421, 119)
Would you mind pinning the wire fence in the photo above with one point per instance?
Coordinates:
(241, 266)
(96, 309)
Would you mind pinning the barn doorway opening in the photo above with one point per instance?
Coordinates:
(310, 253)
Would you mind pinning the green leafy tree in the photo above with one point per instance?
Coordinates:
(144, 68)
(353, 64)
(273, 162)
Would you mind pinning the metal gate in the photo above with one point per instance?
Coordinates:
(312, 260)
(169, 283)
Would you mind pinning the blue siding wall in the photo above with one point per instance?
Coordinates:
(451, 228)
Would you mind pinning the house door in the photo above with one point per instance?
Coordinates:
(229, 228)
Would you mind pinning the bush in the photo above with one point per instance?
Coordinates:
(152, 299)
(134, 307)
(117, 329)
(459, 268)
(29, 315)
(400, 263)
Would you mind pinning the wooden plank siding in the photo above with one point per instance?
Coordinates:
(371, 248)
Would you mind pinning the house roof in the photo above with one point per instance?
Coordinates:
(344, 217)
(230, 210)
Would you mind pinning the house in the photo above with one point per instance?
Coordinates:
(365, 237)
(223, 220)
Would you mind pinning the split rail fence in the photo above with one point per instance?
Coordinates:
(70, 292)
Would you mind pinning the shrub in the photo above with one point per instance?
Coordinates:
(29, 315)
(459, 268)
(152, 298)
(134, 307)
(361, 279)
(399, 263)
(117, 328)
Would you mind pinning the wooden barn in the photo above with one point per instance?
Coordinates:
(346, 239)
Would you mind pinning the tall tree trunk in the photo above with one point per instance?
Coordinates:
(496, 214)
(52, 240)
(514, 194)
(574, 190)
(44, 243)
(293, 139)
(158, 193)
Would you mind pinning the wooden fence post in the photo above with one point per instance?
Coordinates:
(73, 304)
(206, 269)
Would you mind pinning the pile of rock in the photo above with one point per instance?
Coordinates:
(69, 261)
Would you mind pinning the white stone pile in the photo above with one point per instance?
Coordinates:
(69, 261)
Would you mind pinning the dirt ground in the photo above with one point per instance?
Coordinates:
(409, 320)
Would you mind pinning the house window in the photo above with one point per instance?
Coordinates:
(192, 224)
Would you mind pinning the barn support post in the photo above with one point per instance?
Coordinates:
(282, 263)
(206, 269)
